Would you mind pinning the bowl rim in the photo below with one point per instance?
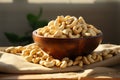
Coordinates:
(98, 35)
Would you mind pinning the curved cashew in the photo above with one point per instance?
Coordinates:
(87, 34)
(74, 36)
(46, 34)
(68, 20)
(36, 60)
(62, 26)
(81, 63)
(34, 56)
(116, 51)
(33, 52)
(73, 23)
(40, 53)
(52, 32)
(49, 64)
(81, 20)
(65, 59)
(95, 29)
(39, 31)
(63, 36)
(61, 18)
(63, 64)
(14, 51)
(94, 55)
(58, 33)
(42, 31)
(57, 62)
(85, 60)
(34, 47)
(89, 57)
(77, 29)
(67, 17)
(84, 29)
(29, 58)
(70, 63)
(58, 21)
(105, 52)
(101, 58)
(78, 58)
(44, 57)
(19, 49)
(98, 58)
(108, 56)
(41, 62)
(76, 62)
(67, 31)
(9, 49)
(25, 52)
(49, 58)
(93, 33)
(51, 23)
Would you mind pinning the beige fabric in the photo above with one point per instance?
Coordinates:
(11, 63)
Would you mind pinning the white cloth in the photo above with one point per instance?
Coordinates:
(11, 63)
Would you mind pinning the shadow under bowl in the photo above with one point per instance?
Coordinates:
(67, 47)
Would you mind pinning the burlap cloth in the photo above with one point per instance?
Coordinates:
(10, 63)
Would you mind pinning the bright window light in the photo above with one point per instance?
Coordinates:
(48, 1)
(82, 1)
(6, 1)
(61, 1)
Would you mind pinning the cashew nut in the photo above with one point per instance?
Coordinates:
(62, 26)
(78, 58)
(65, 59)
(93, 33)
(57, 62)
(81, 20)
(108, 56)
(76, 62)
(29, 58)
(98, 58)
(67, 31)
(51, 23)
(40, 53)
(89, 57)
(33, 52)
(57, 33)
(85, 60)
(25, 52)
(74, 36)
(9, 49)
(73, 23)
(49, 63)
(36, 60)
(70, 63)
(81, 63)
(63, 64)
(77, 29)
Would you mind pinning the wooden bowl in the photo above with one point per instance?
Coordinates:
(67, 47)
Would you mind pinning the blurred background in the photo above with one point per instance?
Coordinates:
(17, 17)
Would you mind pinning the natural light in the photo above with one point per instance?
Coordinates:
(6, 1)
(61, 1)
(58, 1)
(50, 1)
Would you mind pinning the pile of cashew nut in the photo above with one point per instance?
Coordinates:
(32, 53)
(68, 27)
